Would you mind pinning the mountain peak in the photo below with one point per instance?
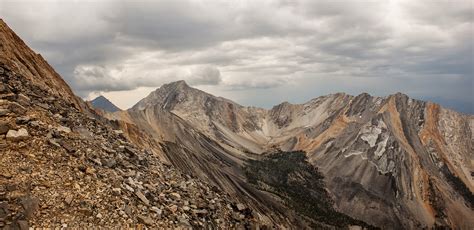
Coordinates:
(103, 103)
(178, 92)
(168, 93)
(176, 86)
(181, 84)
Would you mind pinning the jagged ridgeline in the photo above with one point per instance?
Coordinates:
(300, 185)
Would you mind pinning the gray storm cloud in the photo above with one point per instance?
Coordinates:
(98, 78)
(422, 48)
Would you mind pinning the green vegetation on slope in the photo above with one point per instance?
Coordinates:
(289, 176)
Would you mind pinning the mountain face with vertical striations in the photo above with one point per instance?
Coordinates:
(103, 103)
(64, 166)
(391, 162)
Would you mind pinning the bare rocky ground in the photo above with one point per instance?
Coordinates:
(60, 167)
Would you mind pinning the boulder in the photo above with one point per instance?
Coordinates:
(4, 127)
(142, 198)
(175, 196)
(68, 147)
(63, 129)
(4, 112)
(23, 120)
(17, 108)
(173, 208)
(23, 99)
(14, 135)
(240, 207)
(43, 105)
(68, 199)
(144, 219)
(3, 88)
(30, 205)
(109, 162)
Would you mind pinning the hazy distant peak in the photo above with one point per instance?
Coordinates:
(103, 103)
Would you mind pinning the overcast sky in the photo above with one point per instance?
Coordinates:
(255, 52)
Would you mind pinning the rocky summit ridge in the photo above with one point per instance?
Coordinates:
(62, 165)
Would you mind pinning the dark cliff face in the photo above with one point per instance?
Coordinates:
(103, 103)
(384, 159)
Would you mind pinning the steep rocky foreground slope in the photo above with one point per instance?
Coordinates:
(393, 162)
(63, 166)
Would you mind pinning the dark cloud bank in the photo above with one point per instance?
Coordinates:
(257, 52)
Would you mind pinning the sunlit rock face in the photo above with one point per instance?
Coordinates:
(389, 161)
